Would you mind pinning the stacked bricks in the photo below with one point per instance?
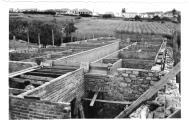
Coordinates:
(20, 108)
(63, 89)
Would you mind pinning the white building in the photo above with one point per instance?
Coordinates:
(129, 14)
(151, 14)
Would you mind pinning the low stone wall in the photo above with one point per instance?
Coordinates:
(137, 55)
(111, 61)
(137, 63)
(20, 108)
(62, 89)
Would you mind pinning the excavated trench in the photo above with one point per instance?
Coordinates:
(100, 109)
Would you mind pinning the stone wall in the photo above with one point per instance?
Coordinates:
(20, 108)
(127, 85)
(111, 61)
(137, 55)
(62, 89)
(88, 56)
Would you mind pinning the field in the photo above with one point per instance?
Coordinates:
(97, 27)
(18, 45)
(109, 27)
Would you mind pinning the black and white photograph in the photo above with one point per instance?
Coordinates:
(94, 59)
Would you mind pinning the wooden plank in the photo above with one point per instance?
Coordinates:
(52, 72)
(94, 97)
(76, 108)
(109, 101)
(176, 114)
(23, 71)
(150, 92)
(43, 74)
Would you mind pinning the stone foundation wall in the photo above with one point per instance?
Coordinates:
(111, 61)
(127, 85)
(137, 63)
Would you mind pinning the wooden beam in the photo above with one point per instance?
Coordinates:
(23, 71)
(76, 108)
(81, 110)
(43, 74)
(109, 101)
(176, 114)
(94, 97)
(150, 92)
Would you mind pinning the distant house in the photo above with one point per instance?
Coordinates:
(96, 14)
(129, 14)
(85, 12)
(75, 11)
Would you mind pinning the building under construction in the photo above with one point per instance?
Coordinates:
(99, 78)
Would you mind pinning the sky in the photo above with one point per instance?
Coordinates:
(101, 6)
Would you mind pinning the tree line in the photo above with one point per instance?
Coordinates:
(35, 30)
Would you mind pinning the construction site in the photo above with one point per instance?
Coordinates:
(98, 78)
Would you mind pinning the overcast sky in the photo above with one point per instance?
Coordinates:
(102, 6)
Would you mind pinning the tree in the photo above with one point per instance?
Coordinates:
(156, 18)
(18, 27)
(174, 12)
(69, 28)
(123, 10)
(137, 18)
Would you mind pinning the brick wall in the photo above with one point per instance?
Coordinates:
(20, 108)
(88, 56)
(62, 89)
